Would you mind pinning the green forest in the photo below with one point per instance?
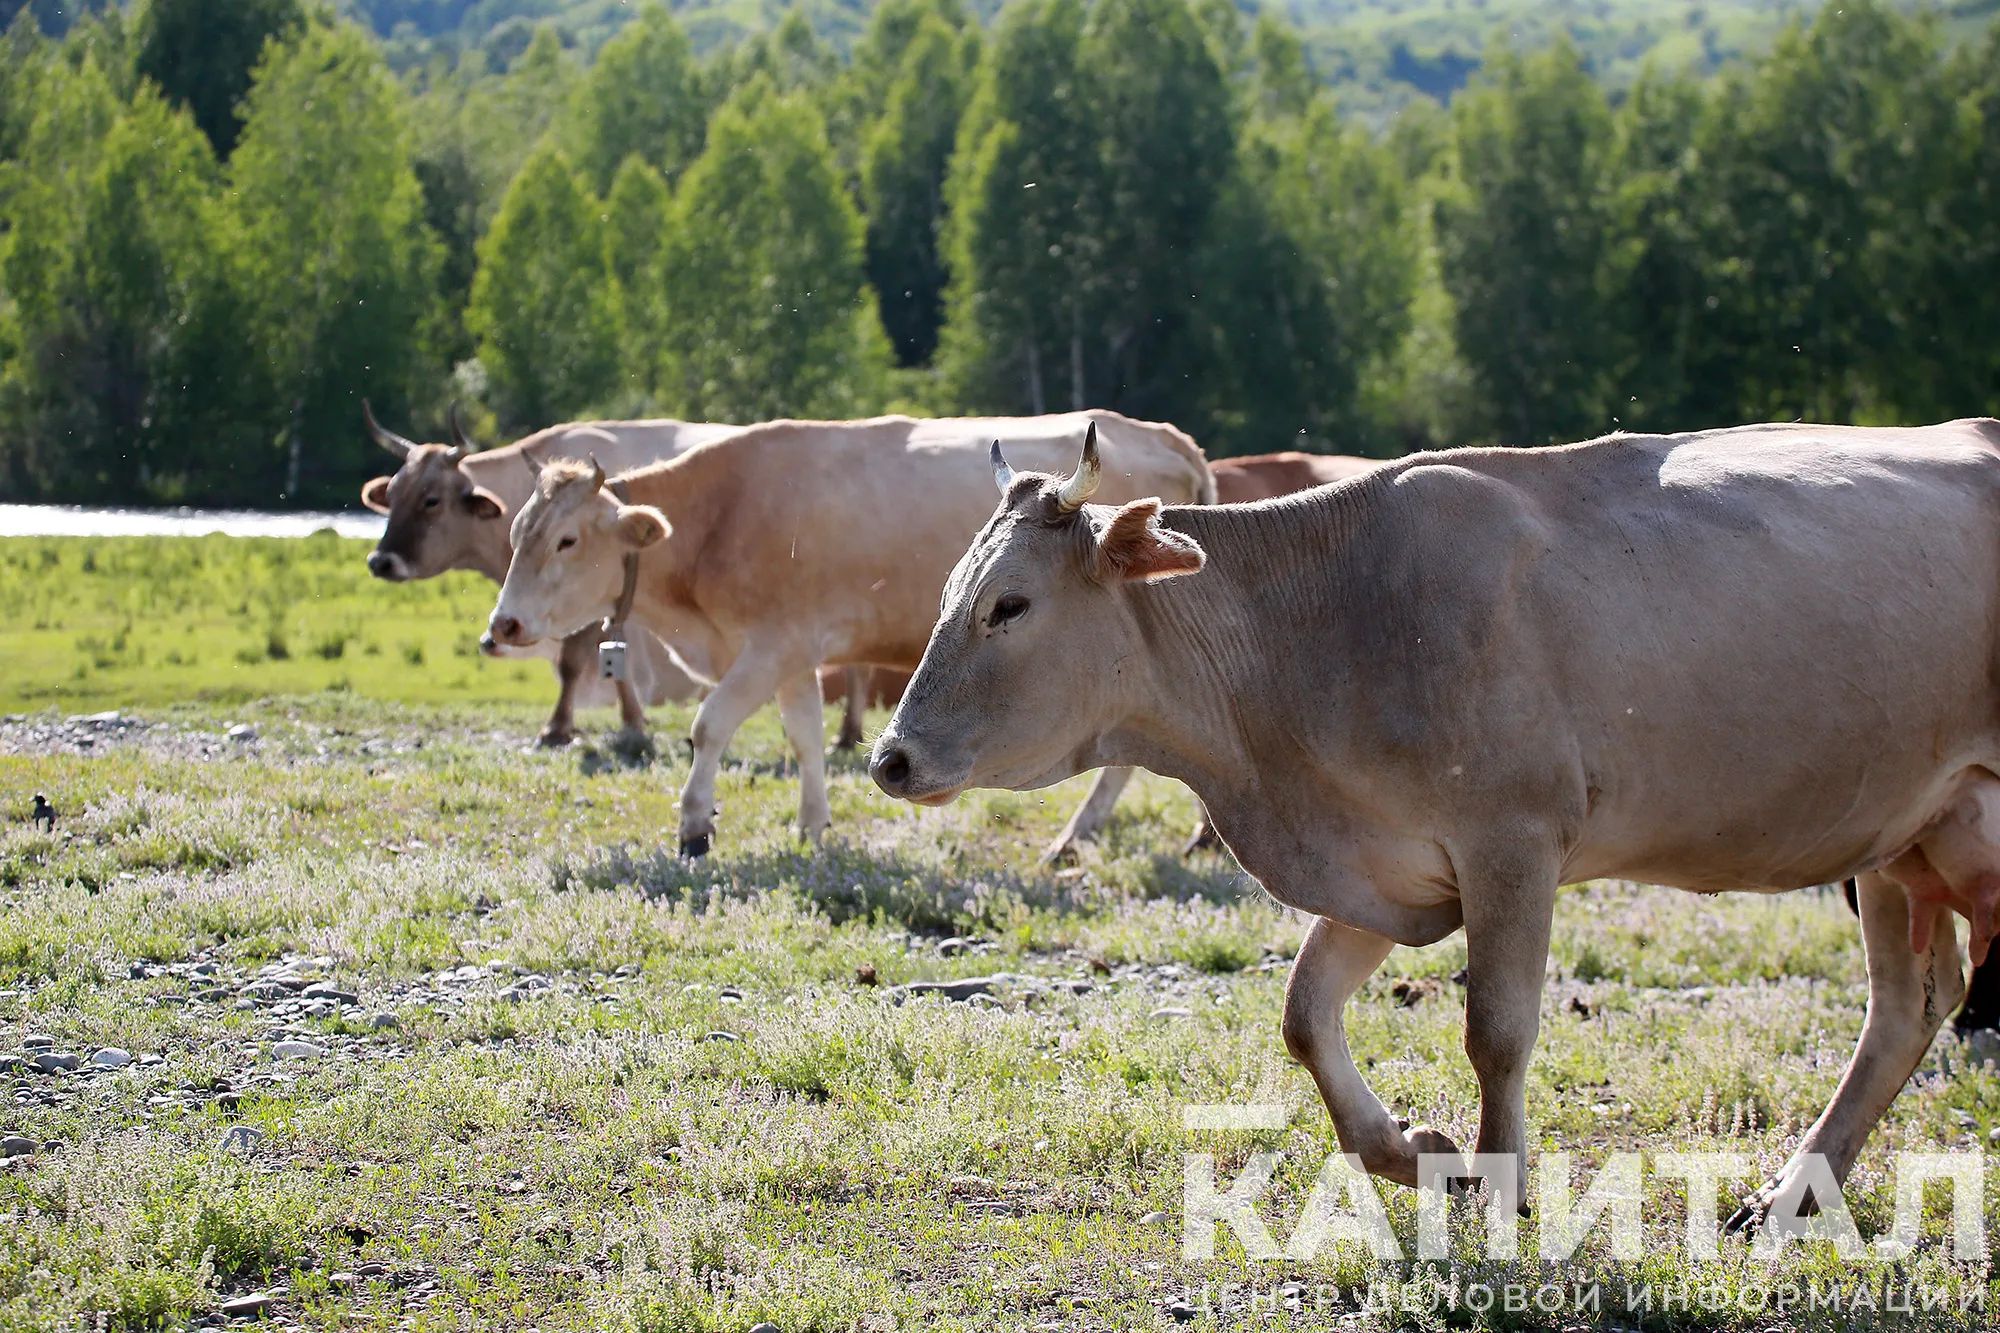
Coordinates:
(222, 227)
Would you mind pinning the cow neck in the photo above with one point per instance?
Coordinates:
(1200, 635)
(621, 611)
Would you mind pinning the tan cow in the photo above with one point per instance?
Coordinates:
(448, 508)
(796, 544)
(1748, 659)
(1268, 476)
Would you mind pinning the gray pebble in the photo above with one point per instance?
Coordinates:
(242, 1139)
(112, 1057)
(720, 1035)
(16, 1146)
(242, 731)
(1171, 1011)
(252, 1306)
(384, 1021)
(1153, 1218)
(50, 1062)
(765, 1328)
(37, 1041)
(320, 990)
(297, 1050)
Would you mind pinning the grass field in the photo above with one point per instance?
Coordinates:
(551, 1078)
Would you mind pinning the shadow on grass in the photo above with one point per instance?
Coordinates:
(846, 882)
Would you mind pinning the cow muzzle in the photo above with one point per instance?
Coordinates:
(385, 565)
(901, 772)
(507, 630)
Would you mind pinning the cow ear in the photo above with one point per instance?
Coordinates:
(1133, 546)
(639, 526)
(482, 503)
(376, 495)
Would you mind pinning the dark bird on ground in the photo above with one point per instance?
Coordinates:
(45, 814)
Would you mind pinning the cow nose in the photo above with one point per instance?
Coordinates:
(891, 770)
(506, 629)
(380, 564)
(488, 644)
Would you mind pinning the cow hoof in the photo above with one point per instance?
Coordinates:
(554, 738)
(695, 847)
(1756, 1210)
(848, 740)
(633, 745)
(1204, 840)
(1058, 855)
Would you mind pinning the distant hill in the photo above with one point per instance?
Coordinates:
(1380, 53)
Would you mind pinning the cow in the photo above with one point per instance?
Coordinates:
(1757, 658)
(448, 507)
(795, 544)
(1268, 476)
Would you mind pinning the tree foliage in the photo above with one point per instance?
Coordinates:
(767, 308)
(201, 54)
(1151, 205)
(541, 306)
(338, 270)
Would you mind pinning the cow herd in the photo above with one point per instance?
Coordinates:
(1413, 697)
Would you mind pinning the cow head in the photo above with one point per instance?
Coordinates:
(1021, 674)
(438, 517)
(570, 543)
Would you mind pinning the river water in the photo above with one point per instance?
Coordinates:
(80, 521)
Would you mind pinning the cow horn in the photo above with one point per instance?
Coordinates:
(464, 442)
(383, 436)
(596, 474)
(1003, 476)
(1080, 485)
(528, 462)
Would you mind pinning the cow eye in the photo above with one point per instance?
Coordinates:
(430, 502)
(1007, 608)
(565, 543)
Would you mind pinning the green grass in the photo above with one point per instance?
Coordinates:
(146, 622)
(587, 1154)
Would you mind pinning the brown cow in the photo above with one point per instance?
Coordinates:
(1268, 476)
(448, 507)
(795, 544)
(1750, 659)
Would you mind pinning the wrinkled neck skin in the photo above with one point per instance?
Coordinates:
(1272, 793)
(664, 600)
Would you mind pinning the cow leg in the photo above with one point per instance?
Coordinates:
(746, 685)
(1909, 994)
(1509, 901)
(1090, 817)
(857, 706)
(1332, 964)
(800, 706)
(579, 654)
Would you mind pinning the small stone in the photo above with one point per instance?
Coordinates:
(954, 946)
(112, 1057)
(720, 1035)
(320, 990)
(1181, 1312)
(729, 995)
(242, 731)
(16, 1146)
(1153, 1218)
(384, 1021)
(344, 1281)
(1171, 1011)
(252, 1306)
(765, 1328)
(37, 1041)
(864, 975)
(297, 1050)
(51, 1062)
(242, 1139)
